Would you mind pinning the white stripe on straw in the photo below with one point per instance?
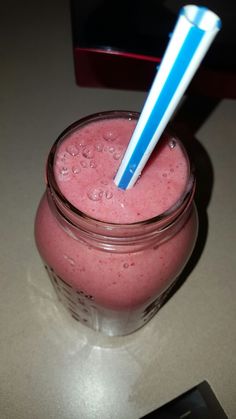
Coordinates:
(193, 34)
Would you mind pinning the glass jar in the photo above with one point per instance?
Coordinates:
(112, 277)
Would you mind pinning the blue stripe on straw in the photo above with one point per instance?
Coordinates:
(199, 16)
(186, 53)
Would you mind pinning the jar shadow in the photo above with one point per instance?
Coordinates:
(190, 118)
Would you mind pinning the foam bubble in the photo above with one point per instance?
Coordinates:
(172, 144)
(95, 194)
(76, 170)
(64, 171)
(117, 155)
(93, 164)
(108, 194)
(99, 147)
(110, 135)
(72, 149)
(88, 152)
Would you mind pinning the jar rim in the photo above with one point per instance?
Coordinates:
(185, 198)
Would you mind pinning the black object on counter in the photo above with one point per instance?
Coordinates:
(198, 403)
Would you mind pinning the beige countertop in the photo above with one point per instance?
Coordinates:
(51, 367)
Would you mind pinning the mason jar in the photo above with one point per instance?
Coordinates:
(112, 277)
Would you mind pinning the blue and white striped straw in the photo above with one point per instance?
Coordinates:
(193, 34)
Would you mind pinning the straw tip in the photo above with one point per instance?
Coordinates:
(201, 17)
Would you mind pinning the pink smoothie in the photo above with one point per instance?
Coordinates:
(84, 168)
(86, 164)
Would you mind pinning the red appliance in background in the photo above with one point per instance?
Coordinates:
(120, 45)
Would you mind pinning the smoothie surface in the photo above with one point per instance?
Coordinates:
(86, 163)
